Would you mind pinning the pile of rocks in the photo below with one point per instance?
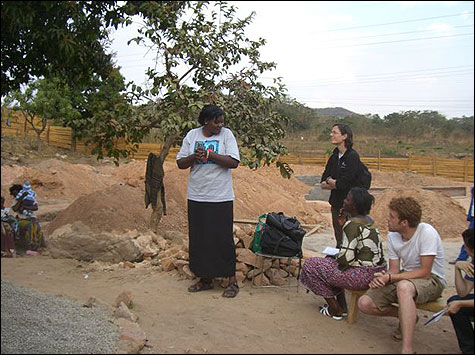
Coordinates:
(248, 264)
(167, 252)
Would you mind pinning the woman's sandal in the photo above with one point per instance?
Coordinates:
(325, 311)
(397, 334)
(200, 286)
(344, 314)
(231, 291)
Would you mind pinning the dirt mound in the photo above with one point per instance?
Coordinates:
(443, 213)
(117, 208)
(121, 207)
(57, 179)
(409, 178)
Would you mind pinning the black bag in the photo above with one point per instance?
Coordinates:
(288, 225)
(282, 236)
(364, 177)
(275, 242)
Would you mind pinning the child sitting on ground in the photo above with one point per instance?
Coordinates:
(25, 199)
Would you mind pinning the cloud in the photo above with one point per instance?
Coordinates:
(440, 28)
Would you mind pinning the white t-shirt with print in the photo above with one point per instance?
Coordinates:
(210, 182)
(425, 241)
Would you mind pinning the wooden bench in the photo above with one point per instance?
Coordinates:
(433, 306)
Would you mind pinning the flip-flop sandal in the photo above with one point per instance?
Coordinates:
(344, 314)
(231, 291)
(397, 334)
(325, 311)
(200, 286)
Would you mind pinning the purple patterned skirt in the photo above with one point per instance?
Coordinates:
(322, 276)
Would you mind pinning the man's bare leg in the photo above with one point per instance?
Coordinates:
(367, 306)
(406, 293)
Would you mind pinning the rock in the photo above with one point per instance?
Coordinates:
(246, 256)
(125, 297)
(78, 241)
(132, 338)
(175, 237)
(124, 312)
(242, 267)
(274, 277)
(261, 280)
(188, 273)
(168, 263)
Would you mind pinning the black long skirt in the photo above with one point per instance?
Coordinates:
(212, 249)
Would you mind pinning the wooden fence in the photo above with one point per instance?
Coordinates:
(454, 169)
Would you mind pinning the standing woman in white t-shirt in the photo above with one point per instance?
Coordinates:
(211, 152)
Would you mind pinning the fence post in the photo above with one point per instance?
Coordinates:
(465, 168)
(434, 166)
(47, 133)
(409, 161)
(73, 141)
(379, 160)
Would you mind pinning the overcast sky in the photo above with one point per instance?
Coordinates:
(366, 56)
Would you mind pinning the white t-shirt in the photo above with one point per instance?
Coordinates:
(210, 182)
(425, 241)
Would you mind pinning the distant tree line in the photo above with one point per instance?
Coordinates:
(411, 124)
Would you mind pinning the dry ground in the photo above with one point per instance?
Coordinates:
(175, 321)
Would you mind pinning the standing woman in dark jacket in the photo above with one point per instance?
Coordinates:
(341, 173)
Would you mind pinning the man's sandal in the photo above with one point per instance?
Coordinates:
(201, 286)
(231, 291)
(326, 311)
(397, 334)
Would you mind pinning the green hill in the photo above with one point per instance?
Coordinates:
(339, 112)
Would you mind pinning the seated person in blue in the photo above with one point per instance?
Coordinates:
(463, 253)
(461, 305)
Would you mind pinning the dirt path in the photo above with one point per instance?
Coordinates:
(175, 321)
(257, 321)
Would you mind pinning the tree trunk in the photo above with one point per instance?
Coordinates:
(38, 141)
(156, 216)
(157, 212)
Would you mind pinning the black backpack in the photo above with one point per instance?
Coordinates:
(364, 177)
(282, 236)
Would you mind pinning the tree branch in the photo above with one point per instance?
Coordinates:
(166, 146)
(188, 72)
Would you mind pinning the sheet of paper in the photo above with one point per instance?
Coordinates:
(331, 251)
(436, 316)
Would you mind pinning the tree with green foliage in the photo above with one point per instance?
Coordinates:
(204, 57)
(105, 115)
(63, 38)
(66, 39)
(41, 100)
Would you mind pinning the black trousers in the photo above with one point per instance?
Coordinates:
(337, 227)
(463, 325)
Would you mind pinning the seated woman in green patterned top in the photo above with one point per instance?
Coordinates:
(359, 258)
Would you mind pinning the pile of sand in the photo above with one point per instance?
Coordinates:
(442, 212)
(121, 207)
(108, 198)
(117, 208)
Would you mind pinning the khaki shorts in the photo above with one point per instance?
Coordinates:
(426, 290)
